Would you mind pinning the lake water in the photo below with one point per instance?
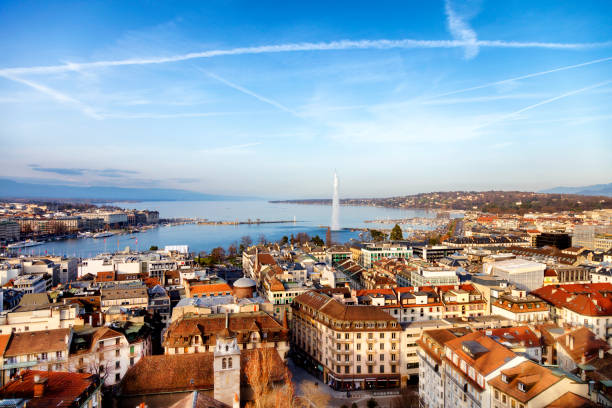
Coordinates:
(312, 219)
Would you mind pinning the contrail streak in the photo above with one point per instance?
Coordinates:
(535, 74)
(544, 102)
(57, 95)
(253, 94)
(296, 47)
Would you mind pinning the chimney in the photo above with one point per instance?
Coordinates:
(236, 403)
(583, 359)
(571, 340)
(39, 386)
(601, 353)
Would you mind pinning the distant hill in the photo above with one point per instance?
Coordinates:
(15, 189)
(594, 190)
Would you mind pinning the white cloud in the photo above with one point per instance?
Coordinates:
(461, 31)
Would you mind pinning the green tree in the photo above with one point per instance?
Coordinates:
(396, 233)
(377, 235)
(284, 240)
(153, 248)
(317, 240)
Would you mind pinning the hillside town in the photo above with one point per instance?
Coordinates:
(501, 311)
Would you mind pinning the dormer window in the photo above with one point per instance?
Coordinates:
(522, 387)
(505, 378)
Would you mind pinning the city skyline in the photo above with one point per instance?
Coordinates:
(228, 98)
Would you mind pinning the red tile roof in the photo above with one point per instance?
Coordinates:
(587, 299)
(62, 389)
(186, 372)
(571, 400)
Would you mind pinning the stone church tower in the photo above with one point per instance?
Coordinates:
(227, 366)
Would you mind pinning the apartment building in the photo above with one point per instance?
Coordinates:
(433, 276)
(103, 351)
(128, 295)
(520, 307)
(430, 354)
(45, 350)
(588, 305)
(371, 253)
(349, 346)
(33, 283)
(529, 385)
(199, 334)
(34, 313)
(470, 362)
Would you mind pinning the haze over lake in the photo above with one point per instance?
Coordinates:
(312, 219)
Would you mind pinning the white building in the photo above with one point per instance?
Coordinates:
(524, 274)
(375, 252)
(433, 276)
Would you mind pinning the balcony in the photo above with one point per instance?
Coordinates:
(344, 363)
(370, 362)
(372, 340)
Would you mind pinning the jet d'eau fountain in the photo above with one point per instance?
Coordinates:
(335, 220)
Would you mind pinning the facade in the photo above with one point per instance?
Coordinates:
(529, 385)
(470, 362)
(433, 276)
(588, 305)
(350, 347)
(198, 334)
(45, 350)
(9, 231)
(33, 283)
(430, 353)
(520, 307)
(35, 313)
(432, 253)
(375, 252)
(129, 295)
(105, 352)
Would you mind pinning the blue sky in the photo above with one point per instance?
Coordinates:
(268, 98)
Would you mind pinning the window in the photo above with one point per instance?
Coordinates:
(131, 349)
(358, 346)
(117, 352)
(131, 361)
(370, 369)
(382, 346)
(358, 368)
(117, 377)
(229, 362)
(117, 364)
(117, 340)
(358, 357)
(382, 335)
(358, 335)
(382, 369)
(224, 363)
(59, 354)
(497, 395)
